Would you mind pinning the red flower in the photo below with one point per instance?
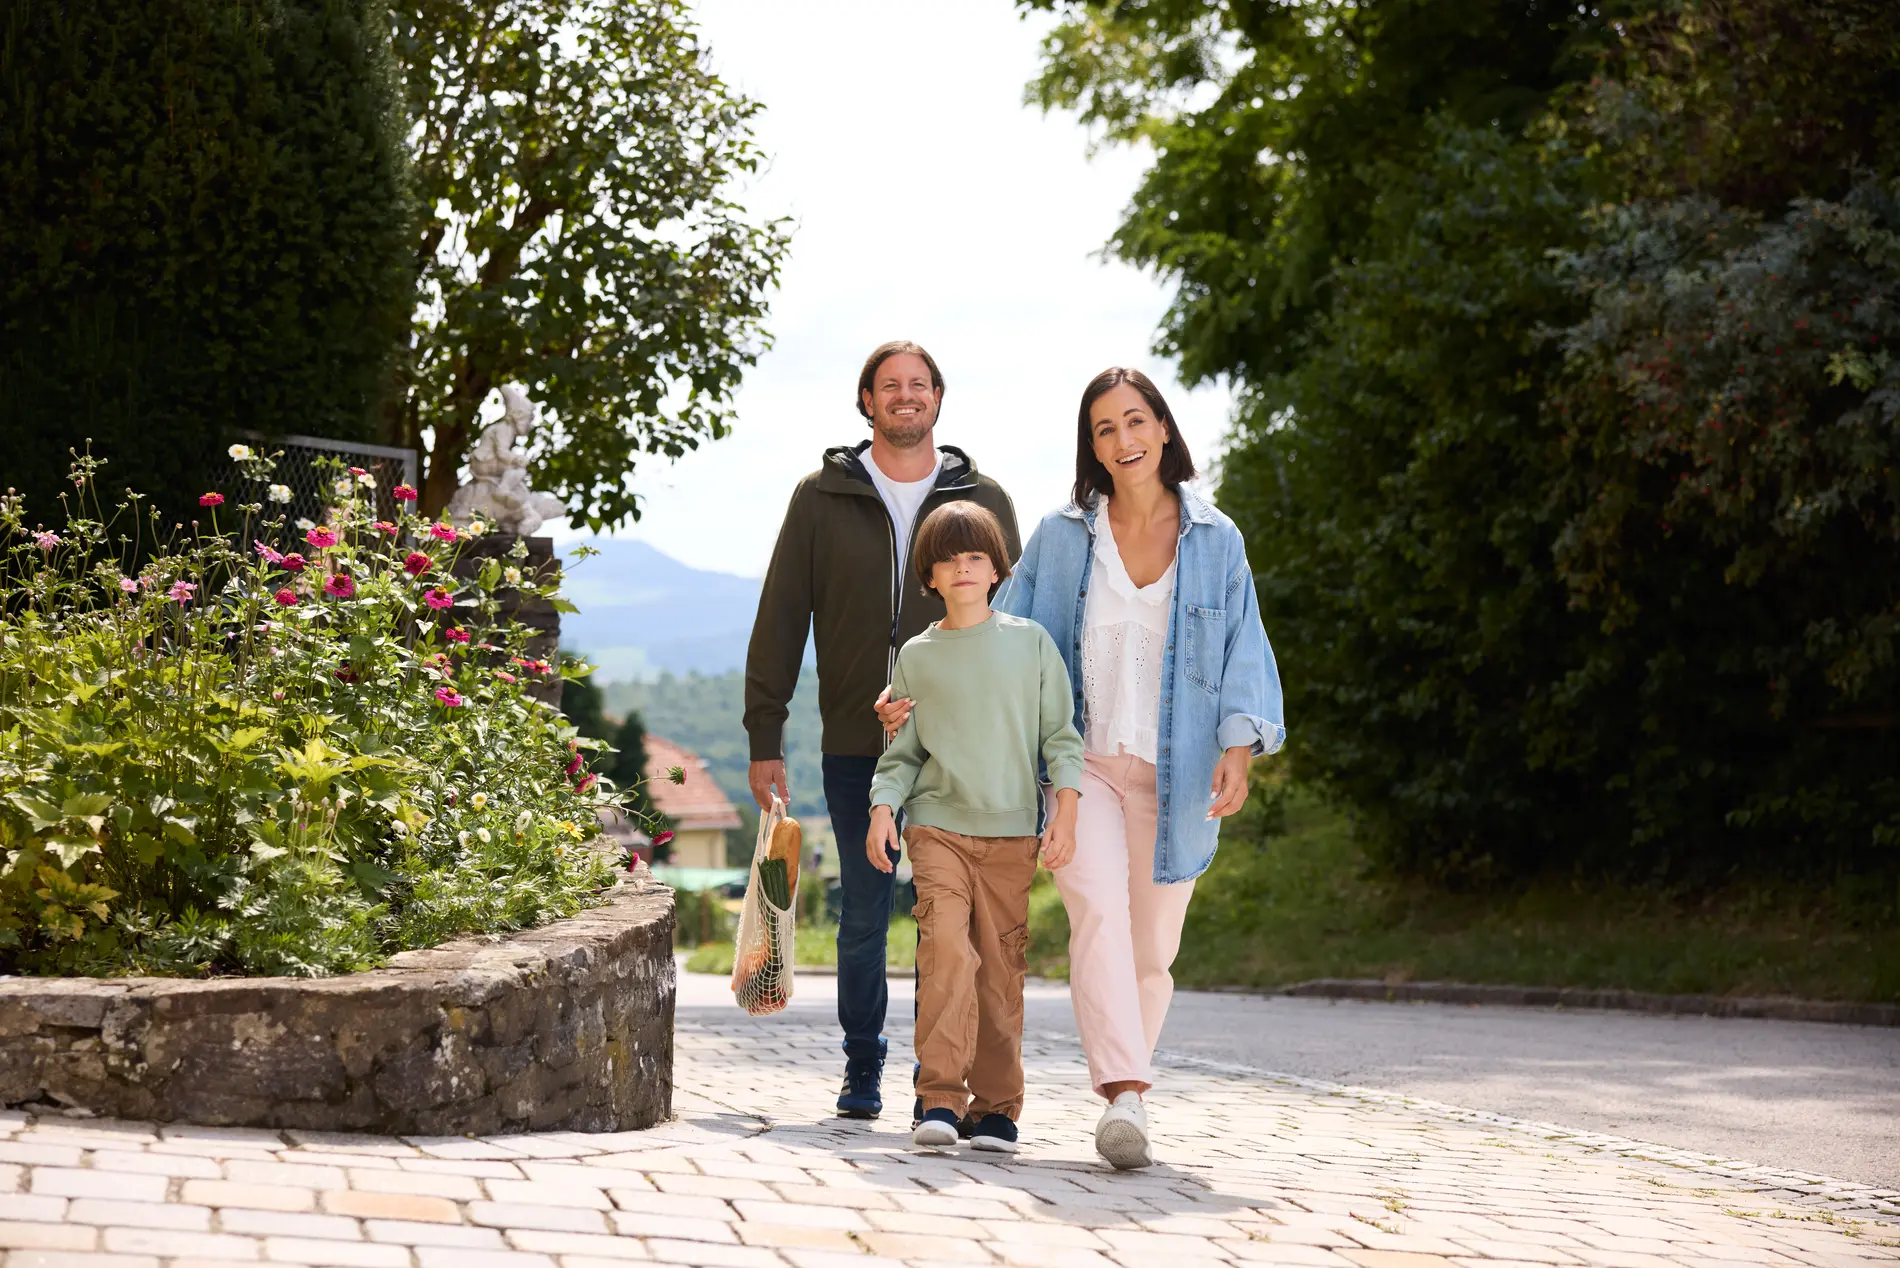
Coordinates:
(448, 697)
(340, 584)
(286, 598)
(415, 563)
(385, 527)
(574, 763)
(403, 493)
(442, 532)
(211, 499)
(321, 538)
(586, 784)
(661, 838)
(504, 675)
(293, 562)
(345, 674)
(358, 471)
(454, 635)
(438, 599)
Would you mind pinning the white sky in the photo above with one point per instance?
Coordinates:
(930, 204)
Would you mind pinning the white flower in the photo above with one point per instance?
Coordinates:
(239, 452)
(483, 834)
(280, 493)
(367, 480)
(306, 524)
(475, 528)
(461, 839)
(523, 819)
(511, 575)
(398, 827)
(479, 800)
(344, 487)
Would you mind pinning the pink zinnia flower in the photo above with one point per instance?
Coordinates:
(438, 599)
(587, 783)
(575, 762)
(415, 563)
(504, 675)
(211, 499)
(128, 585)
(340, 584)
(403, 493)
(286, 598)
(293, 562)
(321, 538)
(442, 532)
(661, 838)
(45, 541)
(454, 635)
(448, 697)
(385, 528)
(358, 471)
(181, 591)
(268, 555)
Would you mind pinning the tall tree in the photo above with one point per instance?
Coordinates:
(575, 161)
(204, 226)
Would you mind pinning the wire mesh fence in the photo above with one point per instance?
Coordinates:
(300, 469)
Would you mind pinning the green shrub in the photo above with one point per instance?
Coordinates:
(204, 225)
(291, 759)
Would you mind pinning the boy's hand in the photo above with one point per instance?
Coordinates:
(881, 842)
(891, 713)
(1058, 839)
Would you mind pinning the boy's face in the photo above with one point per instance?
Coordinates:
(963, 577)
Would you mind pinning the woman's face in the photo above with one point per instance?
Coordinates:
(1127, 436)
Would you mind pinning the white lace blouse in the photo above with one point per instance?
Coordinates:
(1124, 637)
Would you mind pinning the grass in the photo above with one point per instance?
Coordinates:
(1276, 909)
(817, 944)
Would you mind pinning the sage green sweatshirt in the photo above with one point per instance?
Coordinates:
(989, 699)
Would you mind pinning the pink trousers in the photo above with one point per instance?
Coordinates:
(1123, 928)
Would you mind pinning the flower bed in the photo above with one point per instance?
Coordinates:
(288, 749)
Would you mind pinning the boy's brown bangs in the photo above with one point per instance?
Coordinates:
(954, 529)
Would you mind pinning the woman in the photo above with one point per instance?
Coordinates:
(1146, 591)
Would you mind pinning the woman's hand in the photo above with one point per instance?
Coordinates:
(1230, 781)
(881, 841)
(891, 713)
(1058, 839)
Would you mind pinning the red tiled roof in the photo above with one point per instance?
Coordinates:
(697, 803)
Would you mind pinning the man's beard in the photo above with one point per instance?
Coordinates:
(899, 435)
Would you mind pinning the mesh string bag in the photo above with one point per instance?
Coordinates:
(762, 956)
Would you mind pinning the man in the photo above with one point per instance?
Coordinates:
(839, 569)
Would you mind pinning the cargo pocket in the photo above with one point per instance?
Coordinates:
(926, 945)
(1016, 950)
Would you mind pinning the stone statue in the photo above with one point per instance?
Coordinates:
(498, 490)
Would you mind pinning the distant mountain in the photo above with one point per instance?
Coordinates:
(643, 613)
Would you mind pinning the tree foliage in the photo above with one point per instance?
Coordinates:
(1566, 433)
(204, 226)
(575, 161)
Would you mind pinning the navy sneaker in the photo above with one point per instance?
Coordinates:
(994, 1133)
(936, 1130)
(859, 1097)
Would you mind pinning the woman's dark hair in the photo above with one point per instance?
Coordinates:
(951, 530)
(1091, 477)
(884, 352)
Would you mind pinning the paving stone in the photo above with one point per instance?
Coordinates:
(262, 1197)
(406, 1233)
(101, 1212)
(333, 1254)
(570, 1245)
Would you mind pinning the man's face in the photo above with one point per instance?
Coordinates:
(902, 402)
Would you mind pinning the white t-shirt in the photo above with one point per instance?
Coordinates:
(1124, 639)
(902, 498)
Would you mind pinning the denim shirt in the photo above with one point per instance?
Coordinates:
(1219, 685)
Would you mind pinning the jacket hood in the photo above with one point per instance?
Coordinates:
(843, 470)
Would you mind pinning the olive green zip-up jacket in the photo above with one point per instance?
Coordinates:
(836, 572)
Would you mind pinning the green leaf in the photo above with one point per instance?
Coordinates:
(83, 805)
(41, 813)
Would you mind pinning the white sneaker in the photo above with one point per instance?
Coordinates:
(1122, 1134)
(934, 1133)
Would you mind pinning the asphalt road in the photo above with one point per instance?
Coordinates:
(1798, 1095)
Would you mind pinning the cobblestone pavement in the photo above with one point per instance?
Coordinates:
(1253, 1168)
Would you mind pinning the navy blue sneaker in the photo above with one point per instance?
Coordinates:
(859, 1097)
(995, 1133)
(936, 1130)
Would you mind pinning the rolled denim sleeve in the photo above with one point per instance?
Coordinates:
(1251, 709)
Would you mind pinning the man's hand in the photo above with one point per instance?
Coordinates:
(1058, 838)
(881, 841)
(765, 778)
(1230, 782)
(891, 713)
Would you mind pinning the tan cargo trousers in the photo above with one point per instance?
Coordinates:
(972, 936)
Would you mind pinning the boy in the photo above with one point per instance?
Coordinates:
(991, 694)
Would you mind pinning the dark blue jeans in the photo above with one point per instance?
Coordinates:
(864, 923)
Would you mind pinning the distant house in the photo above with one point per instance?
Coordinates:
(699, 812)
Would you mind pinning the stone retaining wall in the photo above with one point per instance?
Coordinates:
(569, 1026)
